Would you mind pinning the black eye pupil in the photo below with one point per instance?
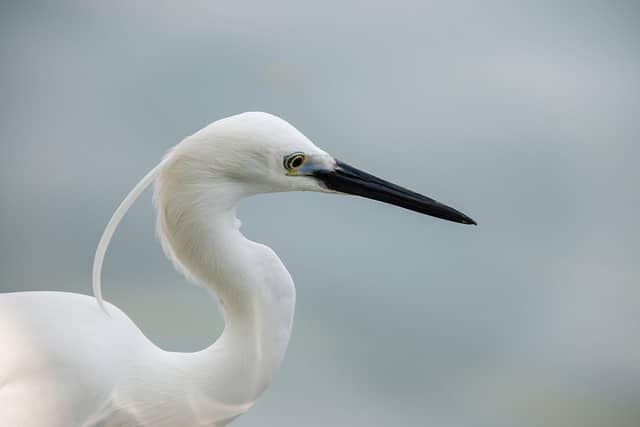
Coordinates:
(296, 162)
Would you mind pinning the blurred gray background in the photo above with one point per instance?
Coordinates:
(525, 115)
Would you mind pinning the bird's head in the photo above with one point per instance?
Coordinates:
(256, 152)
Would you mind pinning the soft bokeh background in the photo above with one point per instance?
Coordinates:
(525, 115)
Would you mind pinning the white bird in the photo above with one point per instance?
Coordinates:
(64, 362)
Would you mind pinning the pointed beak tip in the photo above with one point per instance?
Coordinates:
(464, 221)
(469, 221)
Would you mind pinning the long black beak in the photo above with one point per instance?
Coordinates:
(347, 179)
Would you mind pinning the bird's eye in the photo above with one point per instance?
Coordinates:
(294, 161)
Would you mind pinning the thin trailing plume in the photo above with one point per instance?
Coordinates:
(111, 227)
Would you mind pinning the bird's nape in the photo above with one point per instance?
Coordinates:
(347, 179)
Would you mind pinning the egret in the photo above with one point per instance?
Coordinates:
(66, 361)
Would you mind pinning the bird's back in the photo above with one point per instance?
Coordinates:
(61, 358)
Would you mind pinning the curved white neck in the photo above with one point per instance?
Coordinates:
(200, 233)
